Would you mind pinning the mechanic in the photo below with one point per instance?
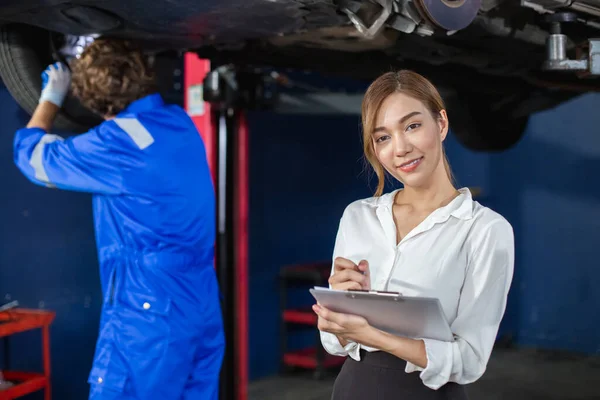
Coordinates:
(161, 331)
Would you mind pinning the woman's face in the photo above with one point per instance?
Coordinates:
(408, 140)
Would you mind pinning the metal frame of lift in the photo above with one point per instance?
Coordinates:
(217, 100)
(224, 130)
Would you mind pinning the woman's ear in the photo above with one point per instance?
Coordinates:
(443, 124)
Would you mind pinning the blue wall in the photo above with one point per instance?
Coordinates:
(547, 187)
(306, 169)
(48, 259)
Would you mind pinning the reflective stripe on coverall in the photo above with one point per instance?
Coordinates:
(161, 332)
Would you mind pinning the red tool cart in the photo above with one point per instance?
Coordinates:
(21, 320)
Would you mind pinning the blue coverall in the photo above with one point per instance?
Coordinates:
(161, 331)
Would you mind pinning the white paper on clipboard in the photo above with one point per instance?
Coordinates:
(407, 316)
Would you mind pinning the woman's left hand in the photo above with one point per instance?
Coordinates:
(353, 328)
(348, 326)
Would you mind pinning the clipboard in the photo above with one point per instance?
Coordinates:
(408, 316)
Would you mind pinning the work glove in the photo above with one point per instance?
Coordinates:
(56, 81)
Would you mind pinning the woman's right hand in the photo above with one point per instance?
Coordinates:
(347, 275)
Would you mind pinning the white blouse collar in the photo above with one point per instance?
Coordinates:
(460, 207)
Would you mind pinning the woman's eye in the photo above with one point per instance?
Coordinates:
(413, 126)
(381, 139)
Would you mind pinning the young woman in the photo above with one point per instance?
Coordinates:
(427, 239)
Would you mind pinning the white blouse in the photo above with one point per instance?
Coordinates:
(462, 253)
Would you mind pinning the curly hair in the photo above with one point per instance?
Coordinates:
(109, 75)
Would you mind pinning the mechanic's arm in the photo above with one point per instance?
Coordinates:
(43, 116)
(81, 163)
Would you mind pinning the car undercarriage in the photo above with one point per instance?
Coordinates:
(515, 58)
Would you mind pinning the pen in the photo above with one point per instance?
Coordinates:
(375, 291)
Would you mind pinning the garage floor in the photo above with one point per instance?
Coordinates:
(511, 375)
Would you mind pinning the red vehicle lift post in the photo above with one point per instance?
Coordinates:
(223, 127)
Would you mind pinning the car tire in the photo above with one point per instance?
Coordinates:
(494, 123)
(479, 127)
(25, 51)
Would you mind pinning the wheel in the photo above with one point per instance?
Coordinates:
(25, 51)
(479, 128)
(494, 123)
(480, 124)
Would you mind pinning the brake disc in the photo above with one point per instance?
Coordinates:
(451, 15)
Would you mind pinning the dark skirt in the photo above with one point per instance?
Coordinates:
(381, 376)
